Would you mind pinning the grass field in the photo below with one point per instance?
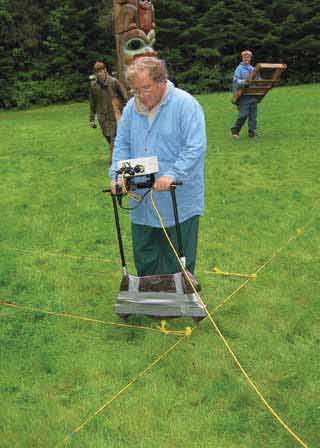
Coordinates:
(58, 253)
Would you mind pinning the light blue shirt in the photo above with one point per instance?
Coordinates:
(177, 137)
(240, 75)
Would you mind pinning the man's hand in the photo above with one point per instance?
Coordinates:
(92, 124)
(163, 183)
(116, 187)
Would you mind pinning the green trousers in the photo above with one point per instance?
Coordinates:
(153, 254)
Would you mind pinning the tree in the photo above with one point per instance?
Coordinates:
(47, 48)
(50, 47)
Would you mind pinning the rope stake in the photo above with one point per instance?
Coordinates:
(218, 271)
(163, 327)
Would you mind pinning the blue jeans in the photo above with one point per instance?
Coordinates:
(247, 109)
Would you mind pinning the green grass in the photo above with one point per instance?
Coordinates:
(56, 372)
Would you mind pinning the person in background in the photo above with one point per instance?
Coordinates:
(163, 121)
(107, 98)
(246, 104)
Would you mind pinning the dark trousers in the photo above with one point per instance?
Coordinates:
(247, 109)
(153, 254)
(109, 133)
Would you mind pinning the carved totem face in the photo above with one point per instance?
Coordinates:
(135, 34)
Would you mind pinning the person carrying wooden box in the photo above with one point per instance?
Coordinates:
(246, 104)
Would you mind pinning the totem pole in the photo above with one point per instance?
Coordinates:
(134, 30)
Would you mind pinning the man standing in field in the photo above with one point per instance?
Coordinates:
(247, 104)
(107, 99)
(163, 121)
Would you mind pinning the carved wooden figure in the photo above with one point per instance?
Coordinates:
(134, 30)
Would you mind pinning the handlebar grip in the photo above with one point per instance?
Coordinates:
(176, 184)
(108, 190)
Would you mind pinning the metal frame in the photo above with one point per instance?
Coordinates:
(139, 296)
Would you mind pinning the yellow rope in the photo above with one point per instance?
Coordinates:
(139, 376)
(74, 316)
(68, 438)
(56, 254)
(187, 332)
(250, 381)
(231, 295)
(162, 328)
(299, 233)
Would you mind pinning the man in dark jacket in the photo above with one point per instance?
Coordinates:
(107, 99)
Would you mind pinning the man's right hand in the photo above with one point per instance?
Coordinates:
(117, 187)
(92, 124)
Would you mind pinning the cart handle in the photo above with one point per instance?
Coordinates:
(173, 185)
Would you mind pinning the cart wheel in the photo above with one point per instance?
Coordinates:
(125, 317)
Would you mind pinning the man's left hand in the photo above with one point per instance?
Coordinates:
(163, 183)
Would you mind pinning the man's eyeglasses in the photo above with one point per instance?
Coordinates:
(142, 91)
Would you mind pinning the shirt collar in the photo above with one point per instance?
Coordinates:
(168, 93)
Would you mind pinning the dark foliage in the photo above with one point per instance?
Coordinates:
(47, 48)
(202, 39)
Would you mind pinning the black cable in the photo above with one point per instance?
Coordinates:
(136, 206)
